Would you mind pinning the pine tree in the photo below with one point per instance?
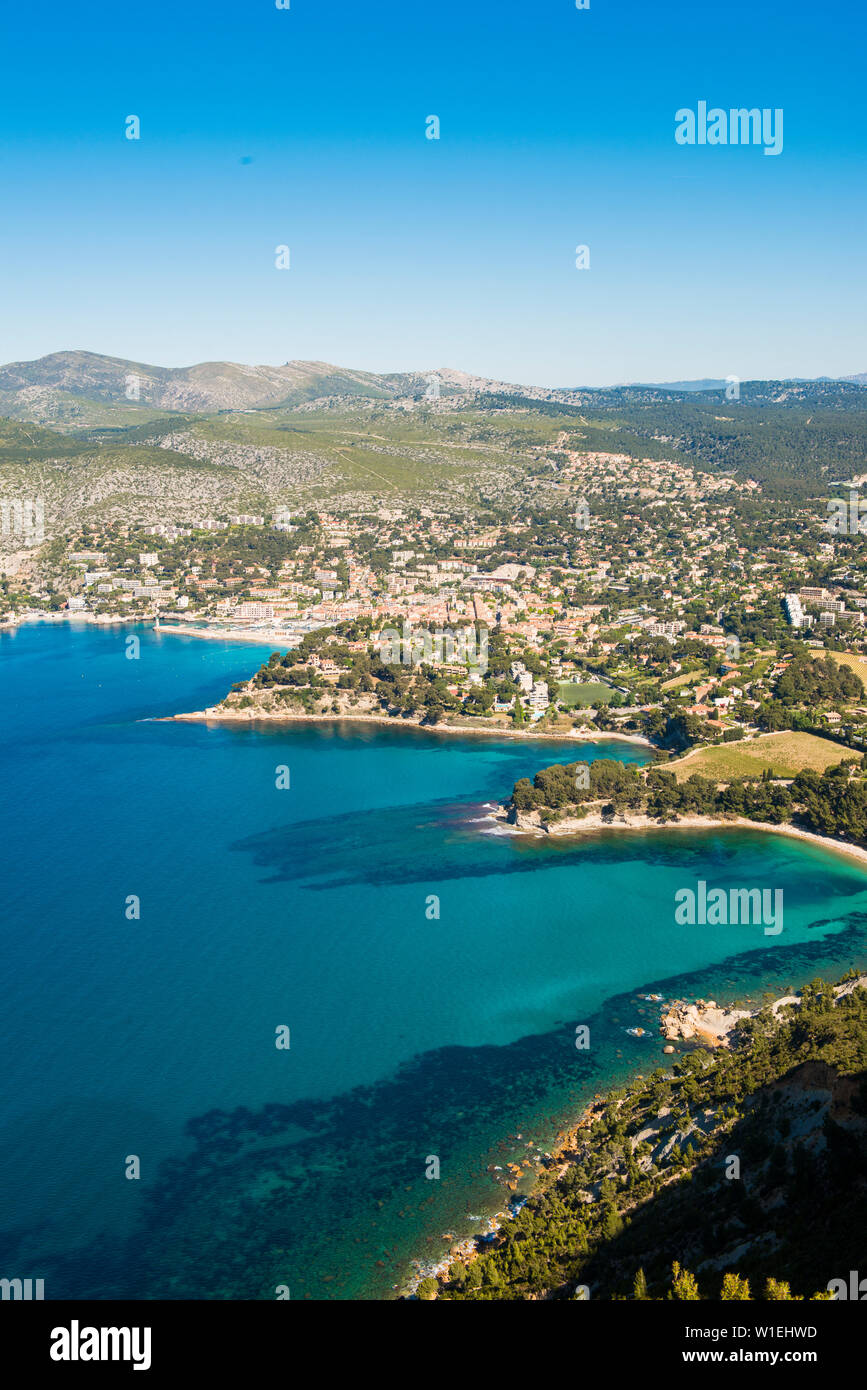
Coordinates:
(735, 1287)
(776, 1290)
(683, 1284)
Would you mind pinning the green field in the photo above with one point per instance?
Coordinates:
(785, 753)
(573, 694)
(685, 678)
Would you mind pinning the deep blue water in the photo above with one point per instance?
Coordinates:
(307, 907)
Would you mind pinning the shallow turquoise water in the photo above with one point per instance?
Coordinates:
(308, 907)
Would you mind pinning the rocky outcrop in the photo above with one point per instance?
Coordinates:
(523, 820)
(704, 1021)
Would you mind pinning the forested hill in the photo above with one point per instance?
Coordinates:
(833, 803)
(790, 437)
(793, 438)
(651, 1205)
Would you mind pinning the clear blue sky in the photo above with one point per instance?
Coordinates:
(306, 127)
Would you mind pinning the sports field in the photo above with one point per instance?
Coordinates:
(584, 694)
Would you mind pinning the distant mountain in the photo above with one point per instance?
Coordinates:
(217, 438)
(47, 388)
(75, 390)
(87, 390)
(705, 383)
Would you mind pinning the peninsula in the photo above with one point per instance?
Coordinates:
(604, 795)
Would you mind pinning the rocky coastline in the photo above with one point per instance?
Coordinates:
(595, 822)
(256, 715)
(702, 1023)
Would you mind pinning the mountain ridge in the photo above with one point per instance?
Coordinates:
(46, 388)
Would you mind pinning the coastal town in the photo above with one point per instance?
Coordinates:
(625, 595)
(433, 678)
(690, 619)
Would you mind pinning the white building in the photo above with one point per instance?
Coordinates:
(255, 611)
(794, 611)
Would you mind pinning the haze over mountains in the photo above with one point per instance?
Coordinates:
(53, 389)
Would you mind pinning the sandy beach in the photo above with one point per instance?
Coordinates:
(252, 716)
(273, 636)
(213, 631)
(594, 823)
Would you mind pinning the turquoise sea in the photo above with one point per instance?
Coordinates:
(308, 907)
